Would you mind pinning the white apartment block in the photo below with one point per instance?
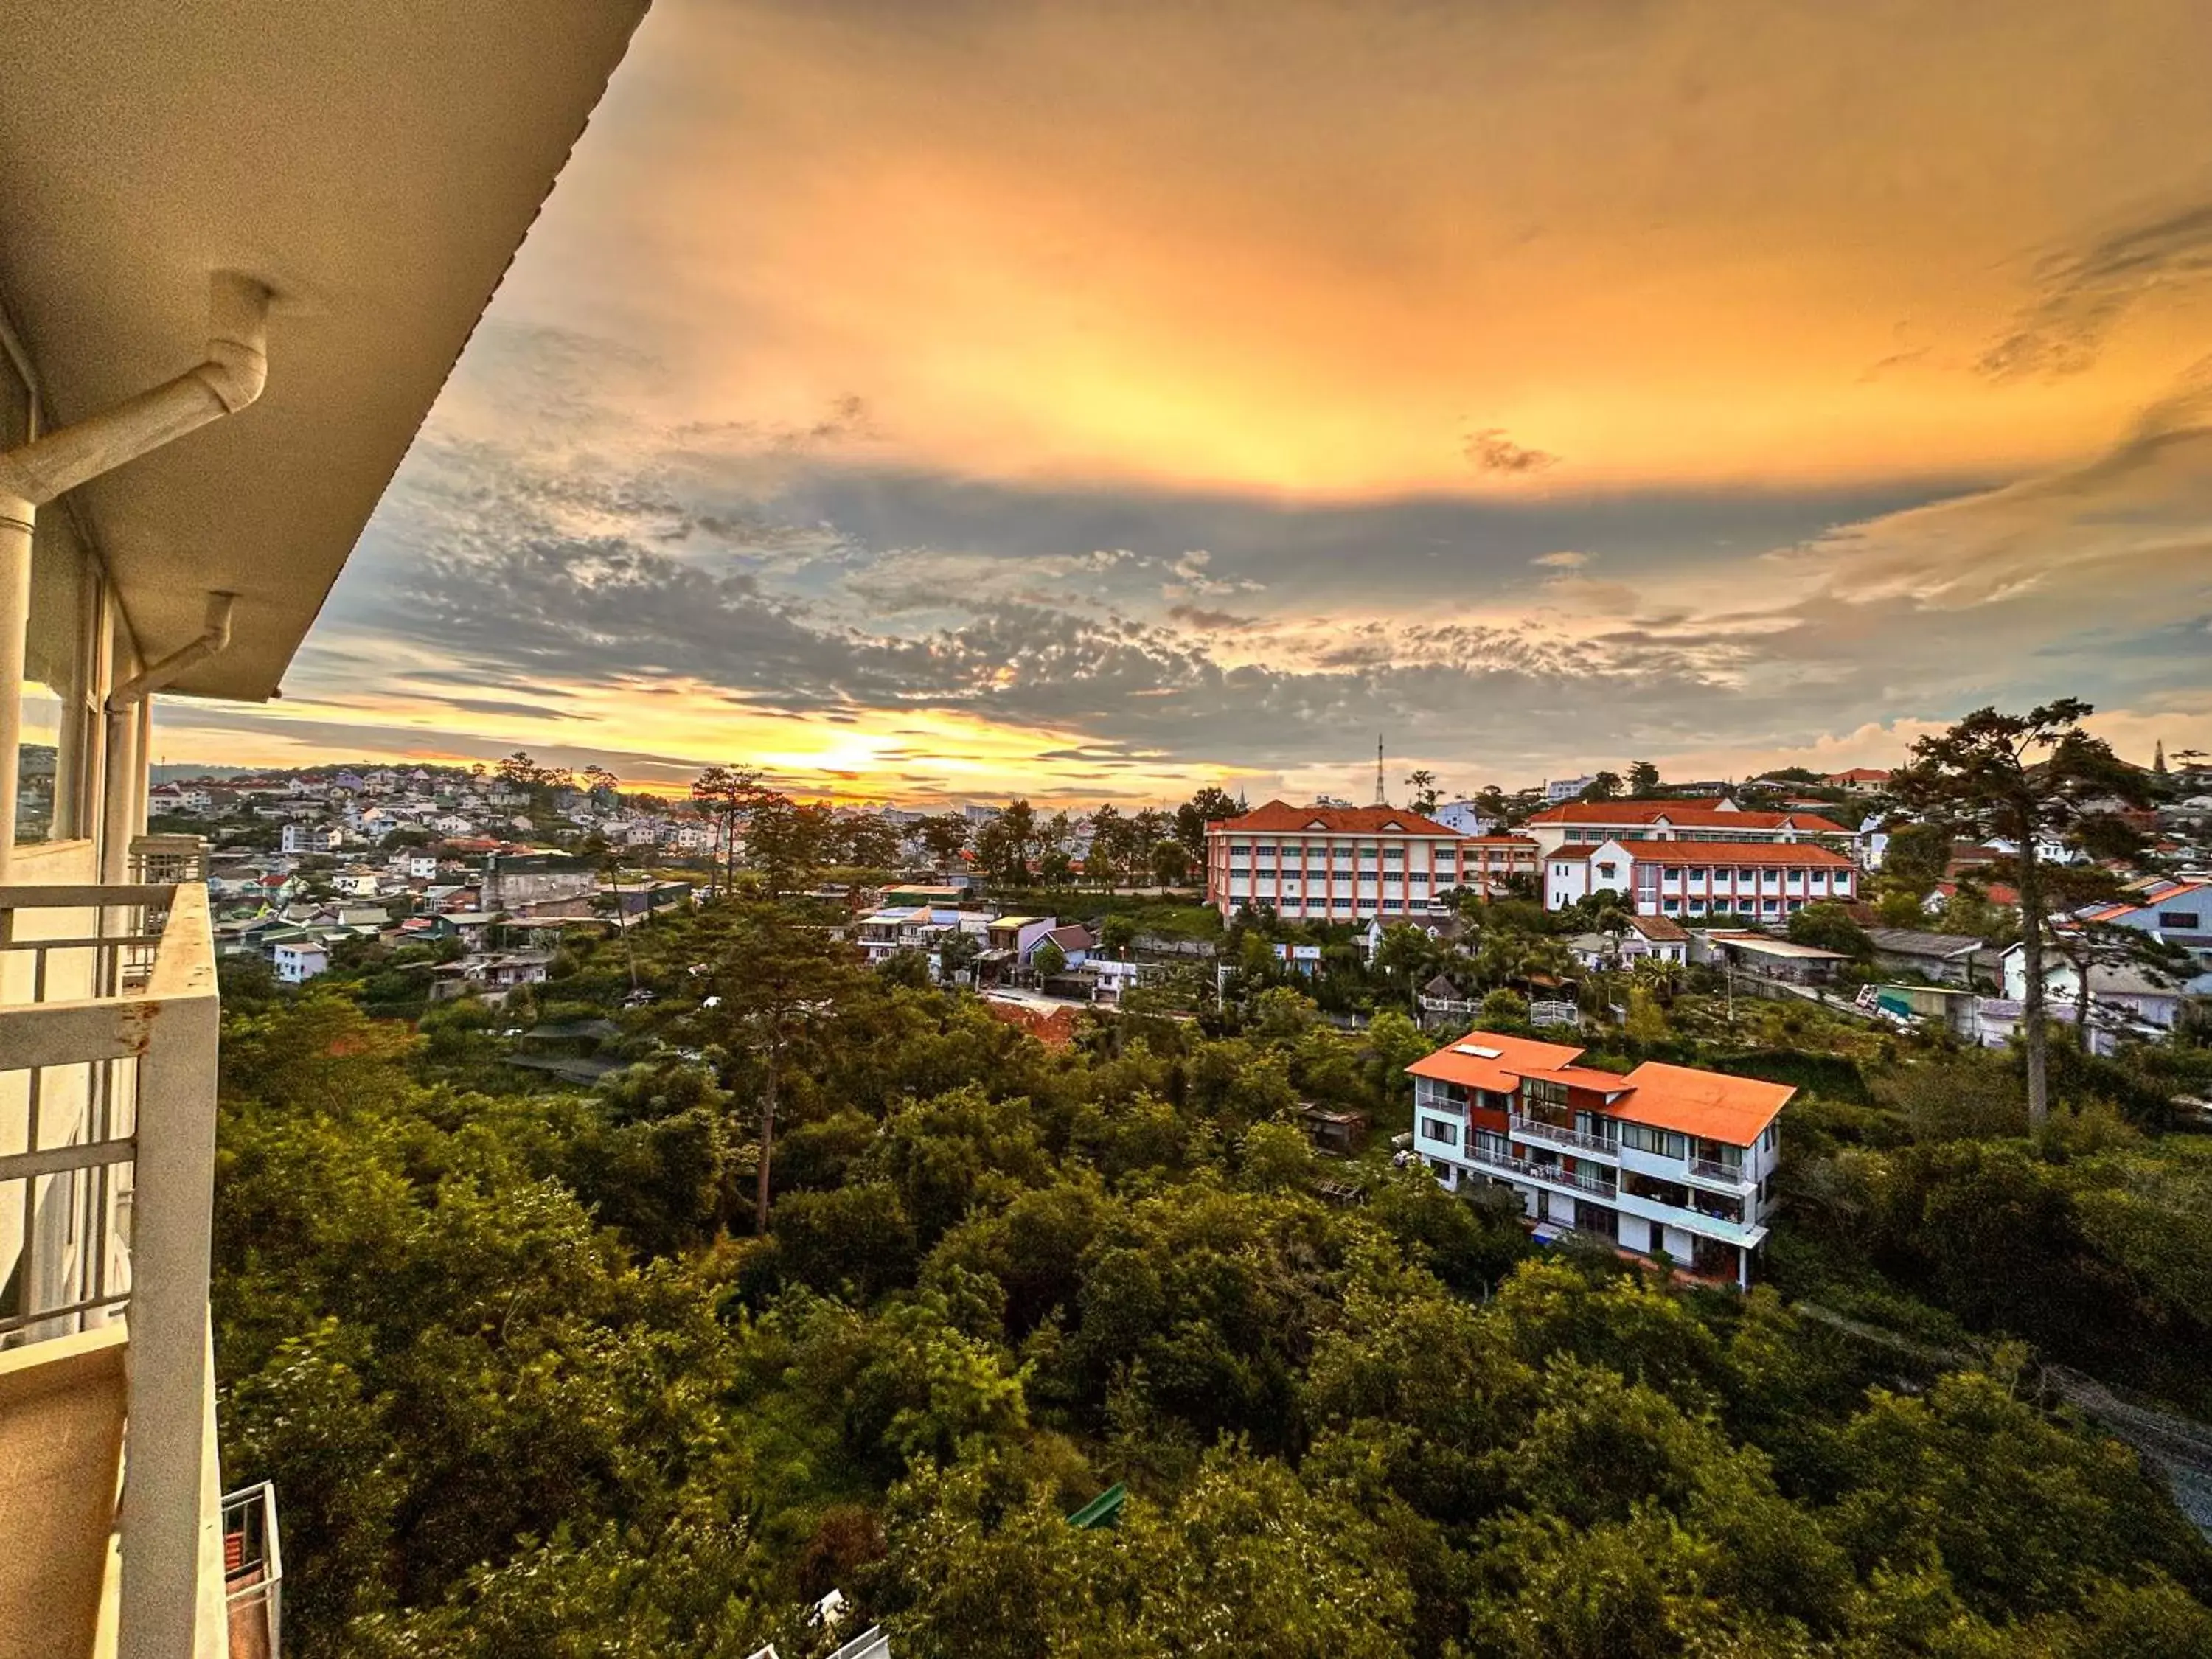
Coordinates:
(296, 964)
(1350, 863)
(243, 247)
(1666, 1157)
(312, 838)
(1588, 823)
(1465, 816)
(1769, 880)
(882, 934)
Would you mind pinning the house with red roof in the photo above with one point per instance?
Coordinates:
(1667, 1158)
(1770, 880)
(1588, 823)
(1352, 863)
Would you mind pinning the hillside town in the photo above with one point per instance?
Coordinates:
(1795, 885)
(1560, 909)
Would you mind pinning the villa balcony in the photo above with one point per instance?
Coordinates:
(1748, 1233)
(1711, 1172)
(108, 1029)
(1553, 1134)
(1594, 1181)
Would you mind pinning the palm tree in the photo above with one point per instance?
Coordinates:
(1657, 975)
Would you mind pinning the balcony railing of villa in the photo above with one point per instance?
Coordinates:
(1731, 1229)
(1534, 1128)
(1714, 1173)
(108, 1032)
(252, 1572)
(1599, 1182)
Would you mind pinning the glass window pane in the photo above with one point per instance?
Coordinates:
(56, 679)
(38, 761)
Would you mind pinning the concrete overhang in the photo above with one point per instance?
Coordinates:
(376, 166)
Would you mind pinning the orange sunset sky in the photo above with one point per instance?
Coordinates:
(1094, 402)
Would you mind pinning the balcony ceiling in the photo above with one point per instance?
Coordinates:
(376, 165)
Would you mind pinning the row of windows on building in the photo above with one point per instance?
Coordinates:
(1701, 833)
(1746, 906)
(1342, 904)
(1237, 859)
(1394, 878)
(1722, 875)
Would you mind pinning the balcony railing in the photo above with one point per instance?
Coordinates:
(1532, 1128)
(109, 1028)
(1694, 1220)
(252, 1572)
(168, 859)
(1714, 1173)
(1599, 1182)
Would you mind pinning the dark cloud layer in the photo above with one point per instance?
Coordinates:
(786, 571)
(2086, 292)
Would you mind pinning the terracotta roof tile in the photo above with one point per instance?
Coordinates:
(1279, 815)
(1460, 1062)
(1734, 852)
(1684, 815)
(1710, 1104)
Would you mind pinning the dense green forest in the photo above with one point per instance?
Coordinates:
(531, 1382)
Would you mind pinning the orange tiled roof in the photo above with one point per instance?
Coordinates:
(1733, 852)
(1494, 1071)
(2152, 898)
(1683, 815)
(1279, 815)
(1995, 892)
(1710, 1104)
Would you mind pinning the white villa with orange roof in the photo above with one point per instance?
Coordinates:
(1666, 1157)
(1594, 822)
